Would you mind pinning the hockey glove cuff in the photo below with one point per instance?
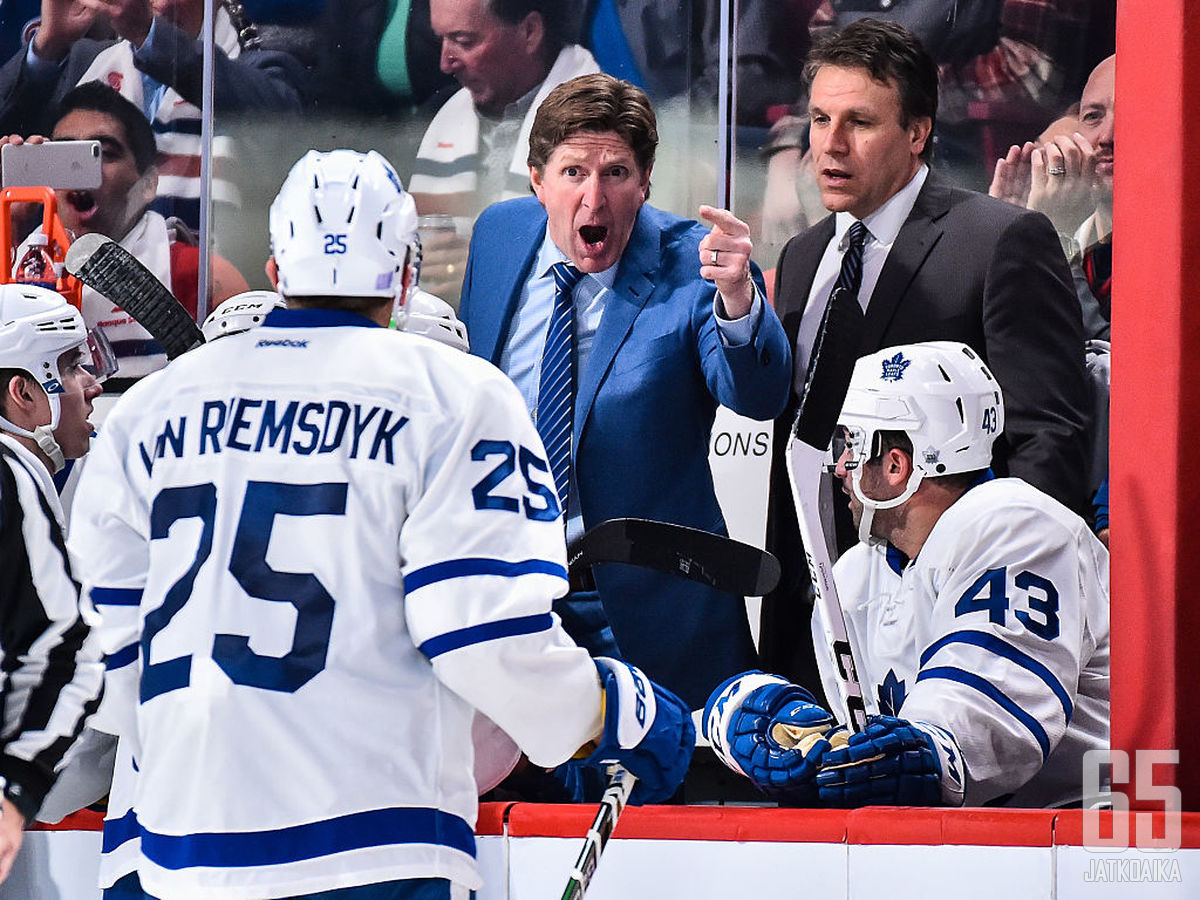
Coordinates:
(647, 729)
(771, 731)
(894, 762)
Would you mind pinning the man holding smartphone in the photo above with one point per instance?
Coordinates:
(120, 209)
(155, 62)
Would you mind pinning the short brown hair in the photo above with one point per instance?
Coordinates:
(889, 53)
(595, 103)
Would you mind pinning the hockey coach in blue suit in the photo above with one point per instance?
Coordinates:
(624, 327)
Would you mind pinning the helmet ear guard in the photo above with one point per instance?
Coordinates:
(239, 313)
(424, 313)
(941, 395)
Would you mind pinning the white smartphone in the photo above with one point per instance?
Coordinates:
(62, 165)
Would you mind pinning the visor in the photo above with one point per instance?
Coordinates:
(99, 358)
(849, 442)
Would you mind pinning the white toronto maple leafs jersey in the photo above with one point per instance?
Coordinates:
(997, 632)
(310, 550)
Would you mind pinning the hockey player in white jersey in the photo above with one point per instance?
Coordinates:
(317, 546)
(50, 372)
(977, 609)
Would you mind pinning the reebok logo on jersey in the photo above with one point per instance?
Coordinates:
(282, 342)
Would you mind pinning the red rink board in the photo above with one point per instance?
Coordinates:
(870, 826)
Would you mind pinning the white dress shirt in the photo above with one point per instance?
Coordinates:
(883, 226)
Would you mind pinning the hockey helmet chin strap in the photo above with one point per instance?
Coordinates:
(870, 506)
(42, 435)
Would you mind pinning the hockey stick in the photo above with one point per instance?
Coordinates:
(712, 559)
(821, 399)
(104, 265)
(620, 785)
(690, 553)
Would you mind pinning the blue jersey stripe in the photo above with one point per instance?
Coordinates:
(102, 596)
(462, 568)
(488, 631)
(123, 657)
(356, 831)
(996, 645)
(971, 680)
(118, 832)
(316, 318)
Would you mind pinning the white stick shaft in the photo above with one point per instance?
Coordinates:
(804, 466)
(620, 785)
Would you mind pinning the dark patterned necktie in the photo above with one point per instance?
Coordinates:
(850, 277)
(556, 391)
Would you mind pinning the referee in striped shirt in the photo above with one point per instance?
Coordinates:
(50, 673)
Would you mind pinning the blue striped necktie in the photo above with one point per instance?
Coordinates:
(556, 391)
(850, 276)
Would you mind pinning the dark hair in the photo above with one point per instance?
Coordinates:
(890, 54)
(554, 19)
(595, 103)
(899, 440)
(96, 96)
(361, 306)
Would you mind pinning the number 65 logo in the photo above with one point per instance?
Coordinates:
(1099, 794)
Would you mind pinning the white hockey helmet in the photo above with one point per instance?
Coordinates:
(430, 315)
(37, 326)
(342, 225)
(239, 313)
(939, 393)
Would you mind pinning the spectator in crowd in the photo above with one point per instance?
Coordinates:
(156, 62)
(1069, 176)
(672, 49)
(977, 608)
(933, 262)
(53, 673)
(371, 58)
(507, 56)
(588, 275)
(120, 209)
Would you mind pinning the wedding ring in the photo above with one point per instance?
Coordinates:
(714, 257)
(1056, 170)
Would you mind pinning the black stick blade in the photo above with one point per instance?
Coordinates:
(690, 553)
(829, 369)
(104, 265)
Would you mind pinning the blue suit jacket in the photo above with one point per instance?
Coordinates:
(644, 410)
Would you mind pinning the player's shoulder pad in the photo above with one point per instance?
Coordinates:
(995, 505)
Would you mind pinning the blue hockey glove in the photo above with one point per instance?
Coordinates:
(894, 762)
(647, 729)
(581, 783)
(771, 731)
